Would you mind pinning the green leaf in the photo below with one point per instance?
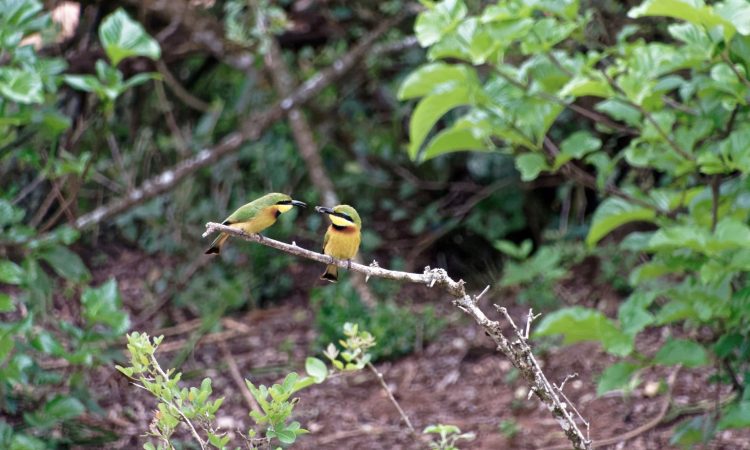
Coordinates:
(429, 110)
(620, 111)
(613, 213)
(286, 436)
(26, 442)
(10, 272)
(583, 324)
(103, 305)
(580, 86)
(681, 351)
(693, 11)
(64, 408)
(530, 165)
(736, 415)
(576, 146)
(438, 20)
(21, 86)
(434, 78)
(634, 315)
(139, 79)
(616, 377)
(6, 303)
(122, 37)
(86, 83)
(316, 369)
(737, 12)
(65, 263)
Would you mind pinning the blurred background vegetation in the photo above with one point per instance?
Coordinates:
(101, 104)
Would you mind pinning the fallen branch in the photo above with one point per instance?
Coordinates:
(251, 129)
(516, 349)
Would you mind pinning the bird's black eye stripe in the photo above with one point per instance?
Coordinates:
(284, 202)
(345, 216)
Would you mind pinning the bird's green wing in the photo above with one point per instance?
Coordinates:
(325, 240)
(244, 213)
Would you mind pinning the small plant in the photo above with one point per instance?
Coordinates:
(176, 404)
(536, 275)
(193, 408)
(398, 330)
(276, 406)
(508, 428)
(448, 436)
(354, 356)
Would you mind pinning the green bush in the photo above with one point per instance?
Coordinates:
(666, 143)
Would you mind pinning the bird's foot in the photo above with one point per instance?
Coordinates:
(260, 237)
(333, 260)
(349, 264)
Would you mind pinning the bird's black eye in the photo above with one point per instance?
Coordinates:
(346, 216)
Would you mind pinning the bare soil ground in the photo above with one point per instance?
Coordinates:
(457, 379)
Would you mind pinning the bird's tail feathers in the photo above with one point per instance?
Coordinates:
(216, 245)
(331, 274)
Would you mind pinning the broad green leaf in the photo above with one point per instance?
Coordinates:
(530, 165)
(737, 12)
(103, 305)
(681, 351)
(581, 86)
(438, 20)
(21, 86)
(26, 442)
(578, 324)
(576, 146)
(737, 415)
(693, 11)
(545, 34)
(634, 315)
(613, 213)
(316, 369)
(139, 79)
(435, 77)
(286, 436)
(45, 342)
(469, 132)
(64, 408)
(6, 303)
(429, 110)
(87, 83)
(620, 111)
(65, 263)
(616, 377)
(10, 272)
(122, 37)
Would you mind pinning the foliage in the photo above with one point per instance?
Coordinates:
(397, 329)
(194, 408)
(447, 437)
(665, 143)
(536, 275)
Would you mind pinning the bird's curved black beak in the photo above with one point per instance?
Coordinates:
(324, 210)
(299, 203)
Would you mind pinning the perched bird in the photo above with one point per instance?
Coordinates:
(342, 237)
(255, 216)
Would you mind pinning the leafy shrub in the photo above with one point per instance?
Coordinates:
(666, 143)
(396, 329)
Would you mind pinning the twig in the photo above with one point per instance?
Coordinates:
(641, 429)
(234, 372)
(518, 351)
(393, 400)
(250, 129)
(179, 411)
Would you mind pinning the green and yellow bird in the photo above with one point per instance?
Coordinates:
(255, 216)
(342, 237)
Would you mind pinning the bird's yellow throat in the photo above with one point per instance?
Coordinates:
(340, 221)
(284, 208)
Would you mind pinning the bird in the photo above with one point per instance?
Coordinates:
(255, 216)
(342, 237)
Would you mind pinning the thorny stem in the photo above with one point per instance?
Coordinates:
(518, 351)
(393, 400)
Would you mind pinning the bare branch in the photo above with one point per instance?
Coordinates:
(251, 129)
(518, 350)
